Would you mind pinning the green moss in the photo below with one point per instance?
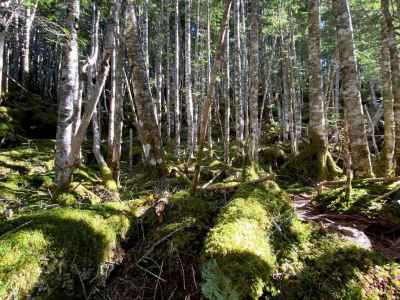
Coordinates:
(38, 252)
(108, 179)
(239, 258)
(363, 200)
(66, 199)
(324, 267)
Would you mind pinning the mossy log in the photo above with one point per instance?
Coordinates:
(238, 255)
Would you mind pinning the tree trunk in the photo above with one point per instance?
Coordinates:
(217, 66)
(317, 127)
(68, 90)
(239, 111)
(254, 83)
(188, 79)
(227, 98)
(175, 90)
(387, 93)
(360, 155)
(150, 137)
(395, 70)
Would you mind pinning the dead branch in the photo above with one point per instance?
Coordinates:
(235, 184)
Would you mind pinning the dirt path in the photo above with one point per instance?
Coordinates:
(363, 232)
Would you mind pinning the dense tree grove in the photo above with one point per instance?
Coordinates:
(187, 99)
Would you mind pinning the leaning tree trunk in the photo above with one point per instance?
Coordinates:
(150, 134)
(253, 95)
(387, 94)
(218, 63)
(68, 88)
(360, 155)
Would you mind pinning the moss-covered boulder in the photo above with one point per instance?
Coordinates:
(60, 251)
(238, 255)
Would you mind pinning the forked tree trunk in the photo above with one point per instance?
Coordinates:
(147, 125)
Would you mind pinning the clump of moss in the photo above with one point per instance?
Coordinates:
(324, 267)
(55, 249)
(364, 200)
(239, 258)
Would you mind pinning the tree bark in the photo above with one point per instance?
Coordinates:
(150, 134)
(387, 94)
(360, 155)
(317, 127)
(68, 90)
(254, 82)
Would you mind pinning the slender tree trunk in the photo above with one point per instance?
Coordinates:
(188, 79)
(175, 90)
(68, 91)
(387, 94)
(30, 13)
(254, 83)
(361, 160)
(239, 111)
(217, 66)
(227, 98)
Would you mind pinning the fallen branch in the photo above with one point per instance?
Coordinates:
(358, 181)
(386, 195)
(234, 184)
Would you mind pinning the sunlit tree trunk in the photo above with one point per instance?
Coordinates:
(317, 127)
(67, 92)
(150, 134)
(361, 160)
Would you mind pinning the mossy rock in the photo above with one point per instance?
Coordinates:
(41, 252)
(238, 255)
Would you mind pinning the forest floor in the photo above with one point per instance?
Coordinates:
(161, 242)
